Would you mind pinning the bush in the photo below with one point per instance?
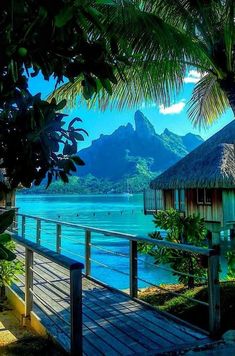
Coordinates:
(180, 229)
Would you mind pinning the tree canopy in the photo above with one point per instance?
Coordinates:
(167, 38)
(59, 38)
(117, 52)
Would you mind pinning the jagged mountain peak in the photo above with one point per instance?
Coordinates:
(107, 156)
(142, 125)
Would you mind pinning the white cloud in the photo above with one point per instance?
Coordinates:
(193, 76)
(173, 109)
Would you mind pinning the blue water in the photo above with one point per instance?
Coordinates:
(110, 212)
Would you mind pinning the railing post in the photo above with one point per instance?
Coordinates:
(23, 226)
(58, 238)
(76, 311)
(214, 293)
(38, 235)
(15, 222)
(28, 282)
(87, 253)
(133, 269)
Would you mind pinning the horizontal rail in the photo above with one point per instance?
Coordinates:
(130, 237)
(59, 259)
(212, 255)
(109, 267)
(175, 293)
(109, 251)
(170, 269)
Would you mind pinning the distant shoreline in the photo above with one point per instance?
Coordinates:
(80, 194)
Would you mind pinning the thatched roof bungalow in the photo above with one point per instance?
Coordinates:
(202, 182)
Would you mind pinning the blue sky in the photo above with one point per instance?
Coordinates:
(174, 117)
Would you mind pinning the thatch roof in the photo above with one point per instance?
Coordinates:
(211, 165)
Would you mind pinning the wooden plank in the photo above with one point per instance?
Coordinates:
(145, 330)
(134, 334)
(184, 329)
(165, 322)
(155, 315)
(125, 340)
(113, 324)
(44, 291)
(128, 317)
(108, 335)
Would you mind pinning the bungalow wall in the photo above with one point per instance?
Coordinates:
(168, 199)
(211, 212)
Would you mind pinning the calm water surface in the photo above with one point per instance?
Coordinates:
(111, 212)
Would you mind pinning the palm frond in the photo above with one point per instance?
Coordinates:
(229, 34)
(162, 39)
(208, 101)
(158, 54)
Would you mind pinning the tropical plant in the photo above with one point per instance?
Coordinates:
(63, 39)
(166, 39)
(187, 266)
(9, 270)
(231, 264)
(9, 266)
(6, 219)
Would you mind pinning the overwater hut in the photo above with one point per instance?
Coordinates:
(203, 182)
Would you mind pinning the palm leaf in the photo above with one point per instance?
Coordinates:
(162, 39)
(208, 101)
(229, 34)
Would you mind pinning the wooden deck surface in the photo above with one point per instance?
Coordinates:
(113, 324)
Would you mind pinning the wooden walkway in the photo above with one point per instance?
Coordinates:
(113, 324)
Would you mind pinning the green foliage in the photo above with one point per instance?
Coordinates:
(180, 229)
(9, 266)
(31, 136)
(93, 185)
(10, 269)
(231, 264)
(167, 39)
(6, 219)
(63, 39)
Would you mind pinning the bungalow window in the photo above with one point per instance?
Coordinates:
(179, 199)
(204, 196)
(200, 196)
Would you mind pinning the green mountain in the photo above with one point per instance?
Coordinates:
(125, 160)
(129, 150)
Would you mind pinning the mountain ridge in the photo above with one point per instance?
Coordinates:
(117, 155)
(127, 159)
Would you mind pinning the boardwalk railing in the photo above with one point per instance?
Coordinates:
(75, 277)
(28, 225)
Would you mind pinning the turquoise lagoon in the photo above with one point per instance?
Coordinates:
(110, 212)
